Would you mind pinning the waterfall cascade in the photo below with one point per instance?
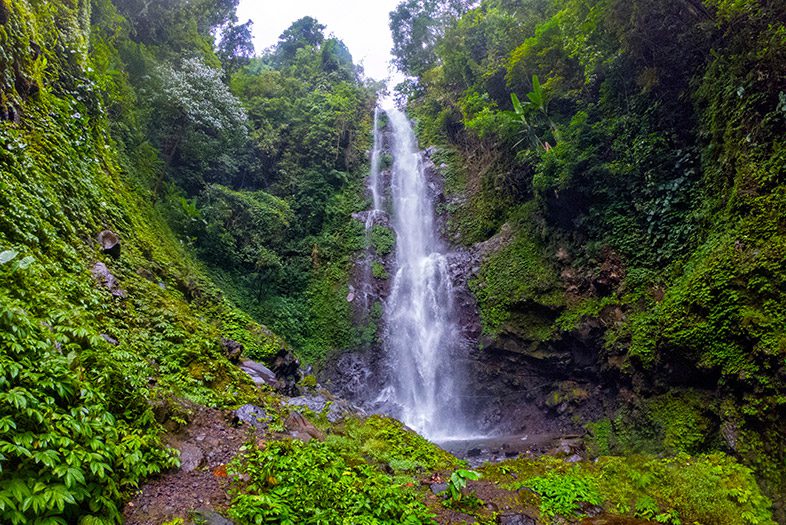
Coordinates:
(421, 333)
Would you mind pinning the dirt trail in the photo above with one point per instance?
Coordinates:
(207, 444)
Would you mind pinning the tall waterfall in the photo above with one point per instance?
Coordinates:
(421, 330)
(376, 168)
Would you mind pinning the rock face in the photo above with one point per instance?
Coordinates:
(301, 428)
(251, 415)
(232, 349)
(261, 374)
(102, 274)
(287, 369)
(335, 409)
(110, 243)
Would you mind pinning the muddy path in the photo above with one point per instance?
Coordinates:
(200, 485)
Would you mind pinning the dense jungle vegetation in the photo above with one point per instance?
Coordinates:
(228, 177)
(631, 156)
(629, 153)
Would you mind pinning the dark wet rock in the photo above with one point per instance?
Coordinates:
(730, 434)
(438, 488)
(611, 274)
(357, 377)
(110, 243)
(232, 349)
(568, 446)
(315, 403)
(591, 511)
(516, 519)
(287, 369)
(251, 415)
(191, 457)
(171, 412)
(301, 428)
(259, 373)
(102, 274)
(335, 409)
(209, 517)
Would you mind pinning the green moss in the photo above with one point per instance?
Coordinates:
(288, 481)
(383, 239)
(586, 308)
(517, 274)
(378, 271)
(689, 489)
(679, 421)
(599, 440)
(386, 442)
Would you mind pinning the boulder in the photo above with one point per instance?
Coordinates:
(301, 428)
(261, 374)
(251, 415)
(516, 519)
(191, 457)
(232, 349)
(336, 409)
(438, 488)
(287, 369)
(110, 243)
(102, 274)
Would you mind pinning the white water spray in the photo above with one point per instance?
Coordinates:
(421, 330)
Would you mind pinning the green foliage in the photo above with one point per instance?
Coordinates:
(387, 443)
(517, 274)
(683, 489)
(665, 130)
(681, 421)
(383, 239)
(378, 271)
(81, 358)
(306, 32)
(561, 494)
(295, 482)
(458, 481)
(417, 26)
(62, 452)
(198, 125)
(310, 122)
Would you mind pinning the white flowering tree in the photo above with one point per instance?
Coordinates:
(199, 125)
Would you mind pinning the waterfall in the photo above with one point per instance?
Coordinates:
(364, 282)
(421, 335)
(376, 168)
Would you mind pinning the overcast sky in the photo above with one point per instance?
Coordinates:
(361, 24)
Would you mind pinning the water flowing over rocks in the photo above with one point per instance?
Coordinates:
(510, 387)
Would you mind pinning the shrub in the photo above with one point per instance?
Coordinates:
(294, 482)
